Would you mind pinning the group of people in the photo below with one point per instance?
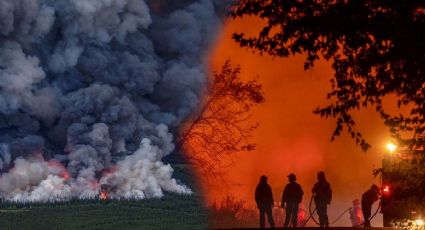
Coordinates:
(292, 197)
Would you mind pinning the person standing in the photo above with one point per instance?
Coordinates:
(291, 198)
(264, 200)
(368, 198)
(322, 197)
(356, 214)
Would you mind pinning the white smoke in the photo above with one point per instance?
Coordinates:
(33, 179)
(92, 90)
(143, 175)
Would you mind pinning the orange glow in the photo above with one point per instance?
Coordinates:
(291, 139)
(59, 169)
(65, 175)
(103, 195)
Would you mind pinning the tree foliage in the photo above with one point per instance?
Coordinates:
(404, 172)
(222, 125)
(376, 47)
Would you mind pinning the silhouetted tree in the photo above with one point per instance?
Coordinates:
(376, 47)
(231, 213)
(222, 126)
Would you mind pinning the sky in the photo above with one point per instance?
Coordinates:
(290, 138)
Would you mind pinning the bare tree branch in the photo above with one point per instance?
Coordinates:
(221, 127)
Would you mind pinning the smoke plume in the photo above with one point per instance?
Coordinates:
(91, 91)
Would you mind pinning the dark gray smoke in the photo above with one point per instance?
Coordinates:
(90, 89)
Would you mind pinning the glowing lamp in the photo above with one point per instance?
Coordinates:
(419, 222)
(391, 147)
(386, 190)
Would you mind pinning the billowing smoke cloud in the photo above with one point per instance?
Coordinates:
(91, 90)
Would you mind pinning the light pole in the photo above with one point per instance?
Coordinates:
(387, 160)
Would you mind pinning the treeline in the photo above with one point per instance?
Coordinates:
(64, 201)
(169, 212)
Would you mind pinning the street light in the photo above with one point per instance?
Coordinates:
(391, 147)
(385, 182)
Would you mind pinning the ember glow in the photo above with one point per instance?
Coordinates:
(103, 195)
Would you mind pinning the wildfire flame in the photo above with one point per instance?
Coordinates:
(65, 175)
(103, 195)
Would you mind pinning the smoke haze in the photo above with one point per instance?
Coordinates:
(290, 138)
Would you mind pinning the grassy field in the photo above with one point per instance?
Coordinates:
(170, 212)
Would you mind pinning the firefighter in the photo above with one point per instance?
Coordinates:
(322, 197)
(368, 198)
(291, 198)
(264, 200)
(356, 214)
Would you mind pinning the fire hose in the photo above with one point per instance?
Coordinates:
(338, 218)
(311, 212)
(374, 214)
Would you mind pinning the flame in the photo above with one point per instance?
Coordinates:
(65, 175)
(59, 169)
(103, 195)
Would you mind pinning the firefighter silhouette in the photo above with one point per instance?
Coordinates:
(356, 214)
(368, 198)
(322, 197)
(291, 198)
(264, 200)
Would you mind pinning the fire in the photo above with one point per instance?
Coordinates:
(65, 175)
(59, 169)
(103, 195)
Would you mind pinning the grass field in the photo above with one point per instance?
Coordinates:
(170, 212)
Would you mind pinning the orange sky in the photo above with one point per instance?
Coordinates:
(290, 137)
